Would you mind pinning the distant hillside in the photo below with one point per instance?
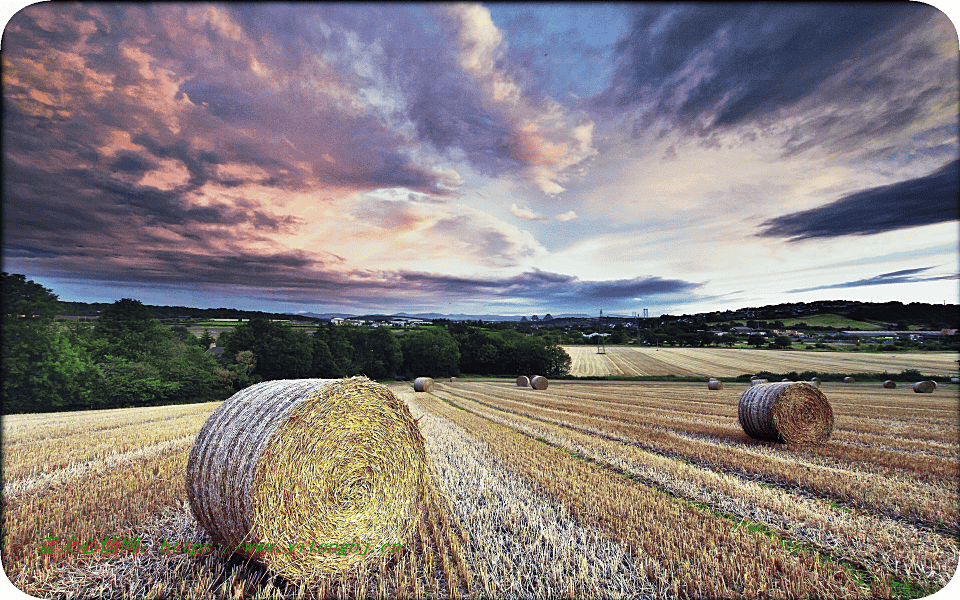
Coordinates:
(846, 314)
(92, 309)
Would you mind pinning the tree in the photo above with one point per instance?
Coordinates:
(205, 340)
(756, 340)
(782, 341)
(377, 352)
(41, 370)
(431, 353)
(281, 352)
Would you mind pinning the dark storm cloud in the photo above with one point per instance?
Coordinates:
(710, 66)
(549, 288)
(902, 276)
(922, 201)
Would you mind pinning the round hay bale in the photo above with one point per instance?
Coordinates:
(753, 377)
(796, 413)
(714, 384)
(924, 387)
(523, 381)
(308, 460)
(848, 379)
(890, 384)
(539, 383)
(757, 381)
(934, 382)
(815, 381)
(955, 380)
(785, 379)
(423, 384)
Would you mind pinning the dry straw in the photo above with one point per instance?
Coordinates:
(539, 383)
(890, 384)
(714, 384)
(924, 387)
(308, 460)
(796, 413)
(423, 384)
(523, 381)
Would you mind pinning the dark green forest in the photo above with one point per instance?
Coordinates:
(127, 358)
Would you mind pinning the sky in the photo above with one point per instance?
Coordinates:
(512, 159)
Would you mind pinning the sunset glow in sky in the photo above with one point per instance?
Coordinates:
(507, 159)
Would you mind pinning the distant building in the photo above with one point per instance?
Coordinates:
(216, 351)
(742, 330)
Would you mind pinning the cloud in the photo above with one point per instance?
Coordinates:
(851, 76)
(567, 216)
(464, 94)
(526, 213)
(912, 203)
(902, 276)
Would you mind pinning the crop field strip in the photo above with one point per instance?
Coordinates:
(887, 490)
(139, 493)
(933, 465)
(701, 554)
(865, 539)
(730, 362)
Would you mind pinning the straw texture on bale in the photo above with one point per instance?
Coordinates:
(924, 387)
(889, 384)
(796, 413)
(423, 384)
(713, 384)
(308, 460)
(523, 381)
(848, 379)
(539, 383)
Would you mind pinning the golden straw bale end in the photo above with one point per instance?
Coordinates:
(523, 381)
(924, 387)
(890, 384)
(539, 383)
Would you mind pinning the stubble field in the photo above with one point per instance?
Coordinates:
(730, 362)
(586, 489)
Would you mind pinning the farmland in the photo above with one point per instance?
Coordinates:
(610, 489)
(730, 362)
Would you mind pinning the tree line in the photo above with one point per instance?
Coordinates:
(126, 358)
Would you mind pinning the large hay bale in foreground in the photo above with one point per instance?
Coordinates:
(714, 384)
(890, 384)
(539, 383)
(523, 381)
(924, 387)
(796, 413)
(423, 384)
(308, 460)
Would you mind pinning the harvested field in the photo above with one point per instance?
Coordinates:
(730, 362)
(585, 489)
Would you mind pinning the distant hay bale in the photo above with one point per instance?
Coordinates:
(757, 381)
(452, 379)
(934, 383)
(815, 381)
(848, 379)
(890, 384)
(785, 379)
(539, 383)
(796, 413)
(308, 460)
(955, 380)
(924, 387)
(523, 381)
(714, 384)
(423, 384)
(753, 377)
